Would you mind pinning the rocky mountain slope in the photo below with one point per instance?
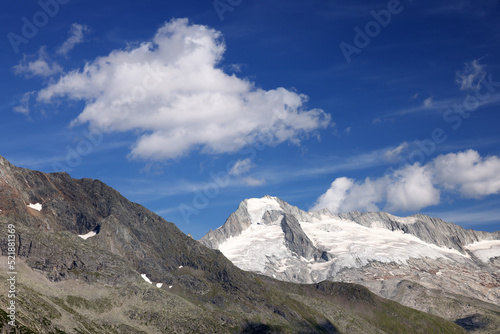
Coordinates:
(390, 255)
(89, 261)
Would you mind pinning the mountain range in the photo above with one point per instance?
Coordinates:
(419, 261)
(84, 259)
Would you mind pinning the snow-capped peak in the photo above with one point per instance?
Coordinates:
(258, 206)
(271, 237)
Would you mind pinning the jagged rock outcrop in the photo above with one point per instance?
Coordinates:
(241, 219)
(428, 229)
(431, 230)
(237, 222)
(297, 241)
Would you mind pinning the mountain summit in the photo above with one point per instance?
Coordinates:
(376, 249)
(345, 240)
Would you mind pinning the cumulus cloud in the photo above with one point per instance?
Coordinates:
(414, 187)
(335, 196)
(171, 92)
(37, 65)
(410, 188)
(468, 173)
(347, 195)
(77, 34)
(471, 76)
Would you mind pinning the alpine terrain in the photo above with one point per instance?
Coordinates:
(80, 258)
(419, 261)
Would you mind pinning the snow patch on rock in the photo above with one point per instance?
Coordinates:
(485, 249)
(354, 245)
(258, 206)
(261, 248)
(37, 206)
(88, 235)
(144, 277)
(257, 246)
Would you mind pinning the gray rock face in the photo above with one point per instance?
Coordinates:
(298, 242)
(237, 222)
(130, 237)
(428, 229)
(240, 220)
(295, 238)
(431, 230)
(375, 249)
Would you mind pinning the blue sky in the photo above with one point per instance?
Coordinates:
(190, 107)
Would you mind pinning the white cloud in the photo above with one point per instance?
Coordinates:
(414, 187)
(77, 34)
(468, 173)
(362, 196)
(253, 182)
(471, 75)
(428, 103)
(37, 65)
(392, 155)
(173, 94)
(23, 107)
(334, 197)
(241, 167)
(411, 188)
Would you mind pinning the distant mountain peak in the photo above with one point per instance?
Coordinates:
(271, 237)
(431, 230)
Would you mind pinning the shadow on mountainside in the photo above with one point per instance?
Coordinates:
(256, 328)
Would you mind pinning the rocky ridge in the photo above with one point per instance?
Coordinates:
(377, 250)
(90, 261)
